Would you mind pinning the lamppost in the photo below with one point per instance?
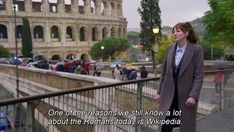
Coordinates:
(16, 52)
(102, 48)
(155, 50)
(17, 118)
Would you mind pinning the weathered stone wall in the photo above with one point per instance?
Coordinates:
(79, 26)
(45, 77)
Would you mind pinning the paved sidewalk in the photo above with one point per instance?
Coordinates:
(222, 121)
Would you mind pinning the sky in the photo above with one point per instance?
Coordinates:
(172, 11)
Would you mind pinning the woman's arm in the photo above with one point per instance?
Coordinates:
(198, 73)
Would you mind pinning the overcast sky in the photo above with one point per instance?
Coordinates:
(172, 11)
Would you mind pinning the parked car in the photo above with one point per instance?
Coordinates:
(14, 61)
(4, 61)
(4, 121)
(42, 64)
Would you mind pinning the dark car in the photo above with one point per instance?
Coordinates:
(42, 65)
(4, 121)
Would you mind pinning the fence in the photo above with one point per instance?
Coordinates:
(108, 108)
(121, 107)
(222, 97)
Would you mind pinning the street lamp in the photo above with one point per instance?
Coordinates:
(155, 30)
(102, 48)
(17, 107)
(155, 50)
(16, 51)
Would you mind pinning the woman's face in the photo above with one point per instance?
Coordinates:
(179, 35)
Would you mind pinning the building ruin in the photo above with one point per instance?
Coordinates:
(61, 28)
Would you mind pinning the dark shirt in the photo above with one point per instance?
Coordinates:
(144, 74)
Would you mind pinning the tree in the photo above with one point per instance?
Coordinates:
(3, 52)
(218, 51)
(219, 22)
(112, 47)
(165, 42)
(133, 37)
(150, 18)
(26, 39)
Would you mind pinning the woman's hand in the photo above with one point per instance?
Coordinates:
(191, 102)
(157, 98)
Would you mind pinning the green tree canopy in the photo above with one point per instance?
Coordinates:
(162, 49)
(26, 39)
(3, 52)
(112, 47)
(133, 38)
(219, 22)
(150, 18)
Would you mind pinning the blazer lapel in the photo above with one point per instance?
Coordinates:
(189, 52)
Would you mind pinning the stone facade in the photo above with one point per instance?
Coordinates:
(64, 28)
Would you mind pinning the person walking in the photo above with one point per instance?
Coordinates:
(181, 80)
(144, 72)
(218, 80)
(133, 74)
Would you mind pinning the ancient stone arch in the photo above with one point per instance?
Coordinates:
(19, 31)
(55, 57)
(63, 25)
(3, 32)
(71, 56)
(70, 33)
(38, 32)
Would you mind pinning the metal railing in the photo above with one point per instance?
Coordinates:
(120, 107)
(222, 97)
(107, 108)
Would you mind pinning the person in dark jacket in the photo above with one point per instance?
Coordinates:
(144, 72)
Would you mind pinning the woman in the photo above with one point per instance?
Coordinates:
(181, 79)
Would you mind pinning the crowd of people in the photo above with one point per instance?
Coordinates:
(128, 73)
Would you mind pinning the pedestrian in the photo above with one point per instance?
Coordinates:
(116, 72)
(94, 70)
(144, 72)
(99, 69)
(124, 74)
(218, 80)
(181, 80)
(133, 75)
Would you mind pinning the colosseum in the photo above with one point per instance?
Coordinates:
(61, 28)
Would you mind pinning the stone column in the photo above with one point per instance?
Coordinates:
(98, 8)
(107, 9)
(62, 33)
(28, 5)
(74, 6)
(124, 31)
(108, 32)
(9, 6)
(45, 6)
(89, 33)
(113, 9)
(11, 32)
(47, 36)
(61, 6)
(120, 10)
(99, 32)
(119, 32)
(87, 7)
